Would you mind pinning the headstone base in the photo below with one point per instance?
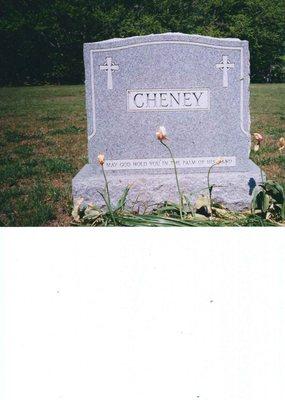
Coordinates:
(232, 189)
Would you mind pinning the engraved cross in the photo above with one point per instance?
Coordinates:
(224, 66)
(109, 66)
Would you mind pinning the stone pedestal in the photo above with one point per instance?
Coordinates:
(233, 189)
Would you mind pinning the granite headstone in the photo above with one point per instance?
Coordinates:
(197, 87)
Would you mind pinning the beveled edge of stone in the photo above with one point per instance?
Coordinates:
(165, 37)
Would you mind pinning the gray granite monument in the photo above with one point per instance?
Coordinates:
(197, 87)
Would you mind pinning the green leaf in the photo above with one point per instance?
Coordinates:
(78, 210)
(155, 221)
(256, 190)
(122, 200)
(259, 200)
(168, 207)
(104, 198)
(91, 214)
(275, 190)
(211, 189)
(189, 204)
(283, 211)
(265, 203)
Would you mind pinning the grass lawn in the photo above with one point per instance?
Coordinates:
(43, 144)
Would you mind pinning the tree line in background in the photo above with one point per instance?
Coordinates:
(41, 41)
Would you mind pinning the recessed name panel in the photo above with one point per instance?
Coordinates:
(168, 99)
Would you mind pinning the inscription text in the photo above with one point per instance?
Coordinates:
(168, 100)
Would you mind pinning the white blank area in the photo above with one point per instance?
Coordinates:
(142, 314)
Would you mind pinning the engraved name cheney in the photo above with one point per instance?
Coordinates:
(168, 100)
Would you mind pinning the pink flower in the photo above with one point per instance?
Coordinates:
(258, 137)
(219, 161)
(281, 143)
(101, 159)
(161, 133)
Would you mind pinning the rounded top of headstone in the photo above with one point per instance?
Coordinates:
(175, 36)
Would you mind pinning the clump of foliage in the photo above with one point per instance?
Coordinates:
(269, 201)
(166, 214)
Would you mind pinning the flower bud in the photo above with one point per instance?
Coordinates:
(218, 161)
(256, 147)
(161, 133)
(101, 159)
(258, 137)
(281, 143)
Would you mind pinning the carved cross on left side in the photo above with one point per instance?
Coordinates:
(109, 66)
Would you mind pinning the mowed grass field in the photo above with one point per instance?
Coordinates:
(43, 144)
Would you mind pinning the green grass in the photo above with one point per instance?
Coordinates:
(24, 150)
(43, 144)
(57, 165)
